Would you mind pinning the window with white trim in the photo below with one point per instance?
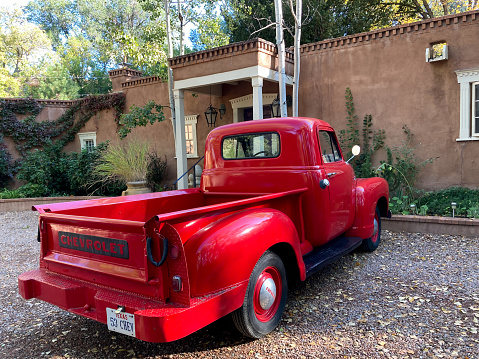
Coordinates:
(469, 104)
(190, 135)
(87, 140)
(475, 109)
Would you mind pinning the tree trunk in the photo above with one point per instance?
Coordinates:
(170, 72)
(182, 35)
(281, 56)
(297, 64)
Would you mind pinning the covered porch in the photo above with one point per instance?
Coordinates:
(241, 78)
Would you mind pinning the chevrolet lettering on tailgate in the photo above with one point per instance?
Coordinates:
(98, 245)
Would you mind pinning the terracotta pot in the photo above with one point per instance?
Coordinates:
(136, 188)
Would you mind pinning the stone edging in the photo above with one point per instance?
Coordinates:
(25, 204)
(430, 224)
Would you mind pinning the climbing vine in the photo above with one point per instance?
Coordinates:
(29, 133)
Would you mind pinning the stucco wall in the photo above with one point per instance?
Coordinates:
(390, 79)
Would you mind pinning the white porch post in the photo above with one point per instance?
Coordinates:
(257, 83)
(180, 140)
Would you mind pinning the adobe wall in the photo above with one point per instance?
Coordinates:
(390, 79)
(52, 109)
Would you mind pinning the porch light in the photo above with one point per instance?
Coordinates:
(276, 107)
(222, 110)
(211, 115)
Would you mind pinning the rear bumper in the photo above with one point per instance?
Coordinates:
(155, 321)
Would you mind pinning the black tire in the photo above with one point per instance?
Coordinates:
(371, 244)
(254, 319)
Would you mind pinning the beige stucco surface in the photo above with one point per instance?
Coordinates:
(390, 79)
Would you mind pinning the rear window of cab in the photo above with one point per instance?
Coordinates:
(251, 145)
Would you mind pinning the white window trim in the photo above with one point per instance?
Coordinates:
(193, 120)
(466, 78)
(240, 103)
(85, 136)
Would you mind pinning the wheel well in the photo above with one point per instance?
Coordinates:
(286, 253)
(383, 206)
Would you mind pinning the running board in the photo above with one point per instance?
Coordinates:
(324, 255)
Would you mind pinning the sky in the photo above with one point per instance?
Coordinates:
(10, 3)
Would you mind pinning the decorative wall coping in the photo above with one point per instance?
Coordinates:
(43, 103)
(237, 48)
(454, 19)
(141, 81)
(125, 71)
(432, 224)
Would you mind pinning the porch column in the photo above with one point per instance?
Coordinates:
(257, 83)
(180, 139)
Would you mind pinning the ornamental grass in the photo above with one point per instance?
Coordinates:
(126, 162)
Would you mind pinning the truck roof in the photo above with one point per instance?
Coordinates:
(299, 145)
(296, 124)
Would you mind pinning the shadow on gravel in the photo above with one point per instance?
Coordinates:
(83, 338)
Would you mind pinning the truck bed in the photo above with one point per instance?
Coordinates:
(104, 240)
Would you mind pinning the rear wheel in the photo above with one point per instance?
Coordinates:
(370, 244)
(265, 298)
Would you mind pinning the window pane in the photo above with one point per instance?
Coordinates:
(329, 147)
(189, 147)
(257, 145)
(89, 145)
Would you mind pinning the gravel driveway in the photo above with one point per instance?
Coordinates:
(417, 296)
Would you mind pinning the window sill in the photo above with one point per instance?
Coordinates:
(467, 139)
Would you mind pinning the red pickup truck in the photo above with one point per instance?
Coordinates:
(277, 202)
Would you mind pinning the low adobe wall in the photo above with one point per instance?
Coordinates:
(435, 225)
(25, 204)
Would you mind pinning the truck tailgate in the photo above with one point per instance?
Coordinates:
(104, 251)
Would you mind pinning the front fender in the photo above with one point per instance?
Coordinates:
(225, 252)
(369, 191)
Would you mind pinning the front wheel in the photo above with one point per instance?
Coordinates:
(265, 298)
(370, 244)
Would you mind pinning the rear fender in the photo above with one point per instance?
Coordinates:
(224, 253)
(370, 192)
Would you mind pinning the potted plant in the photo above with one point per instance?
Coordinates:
(126, 162)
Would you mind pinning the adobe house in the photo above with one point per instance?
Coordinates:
(424, 75)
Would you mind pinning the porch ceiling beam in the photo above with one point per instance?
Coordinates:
(230, 76)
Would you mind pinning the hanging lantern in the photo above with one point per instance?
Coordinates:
(211, 115)
(276, 108)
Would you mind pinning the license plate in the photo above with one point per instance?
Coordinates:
(120, 322)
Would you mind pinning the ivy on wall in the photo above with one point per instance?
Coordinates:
(28, 133)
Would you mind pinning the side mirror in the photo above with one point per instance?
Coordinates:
(355, 150)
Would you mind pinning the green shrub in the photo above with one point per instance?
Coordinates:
(82, 176)
(7, 166)
(26, 191)
(156, 171)
(48, 168)
(439, 202)
(58, 174)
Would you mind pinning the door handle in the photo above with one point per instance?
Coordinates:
(331, 174)
(324, 183)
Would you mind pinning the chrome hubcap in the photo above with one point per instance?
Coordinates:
(267, 294)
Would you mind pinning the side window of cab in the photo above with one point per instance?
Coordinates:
(329, 147)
